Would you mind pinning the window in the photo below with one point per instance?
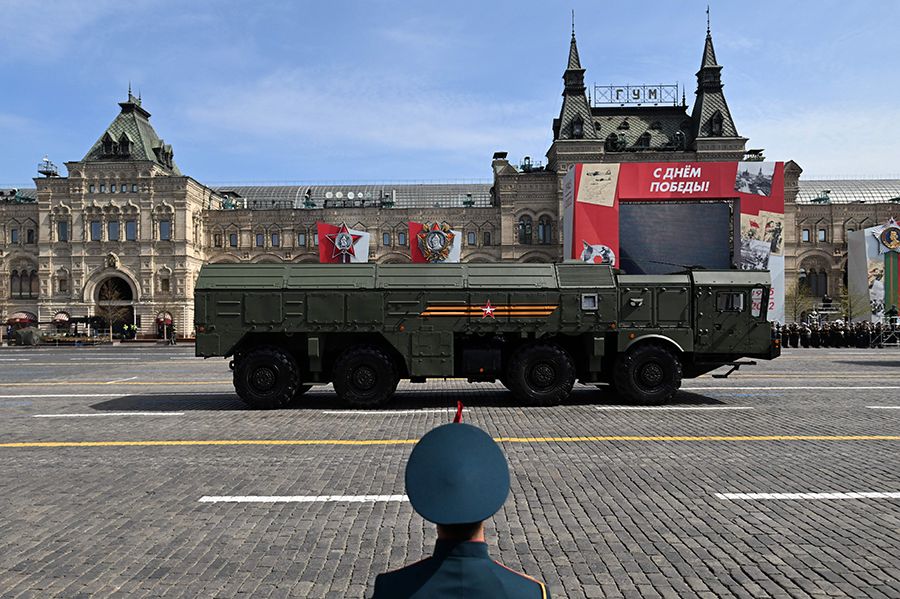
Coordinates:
(165, 230)
(62, 231)
(821, 234)
(95, 230)
(29, 237)
(274, 240)
(804, 235)
(63, 285)
(130, 230)
(316, 239)
(90, 189)
(113, 189)
(15, 236)
(386, 239)
(217, 240)
(544, 231)
(401, 238)
(487, 238)
(729, 302)
(112, 231)
(301, 239)
(259, 240)
(471, 238)
(134, 188)
(103, 189)
(24, 285)
(164, 285)
(525, 230)
(232, 240)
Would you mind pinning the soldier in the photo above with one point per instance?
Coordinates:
(795, 335)
(457, 477)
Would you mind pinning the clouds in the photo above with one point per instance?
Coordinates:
(390, 89)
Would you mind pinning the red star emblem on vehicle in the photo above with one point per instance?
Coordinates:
(343, 241)
(488, 310)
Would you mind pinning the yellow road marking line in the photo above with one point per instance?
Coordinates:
(412, 441)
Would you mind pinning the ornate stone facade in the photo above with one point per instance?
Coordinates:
(125, 213)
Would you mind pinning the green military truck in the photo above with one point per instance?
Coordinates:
(537, 328)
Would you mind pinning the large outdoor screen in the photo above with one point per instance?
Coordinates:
(660, 238)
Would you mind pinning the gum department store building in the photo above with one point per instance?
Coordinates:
(126, 222)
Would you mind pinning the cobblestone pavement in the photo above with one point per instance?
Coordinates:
(106, 454)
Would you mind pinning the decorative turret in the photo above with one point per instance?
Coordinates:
(130, 137)
(711, 117)
(575, 120)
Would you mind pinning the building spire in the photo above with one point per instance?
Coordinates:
(575, 120)
(707, 19)
(711, 117)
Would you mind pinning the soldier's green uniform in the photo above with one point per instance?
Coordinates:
(457, 474)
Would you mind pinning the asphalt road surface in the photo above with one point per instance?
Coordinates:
(137, 472)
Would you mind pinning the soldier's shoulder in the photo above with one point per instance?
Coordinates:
(403, 582)
(521, 585)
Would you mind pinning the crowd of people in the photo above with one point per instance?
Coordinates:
(838, 333)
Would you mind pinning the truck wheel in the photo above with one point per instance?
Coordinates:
(267, 378)
(649, 374)
(542, 374)
(365, 377)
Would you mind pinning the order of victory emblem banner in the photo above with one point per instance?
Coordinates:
(889, 237)
(434, 242)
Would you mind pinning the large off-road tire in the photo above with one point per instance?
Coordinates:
(267, 378)
(365, 377)
(540, 374)
(648, 374)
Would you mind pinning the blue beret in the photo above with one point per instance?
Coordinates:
(457, 474)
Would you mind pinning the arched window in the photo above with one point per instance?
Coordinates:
(644, 140)
(716, 123)
(821, 286)
(35, 287)
(525, 229)
(544, 230)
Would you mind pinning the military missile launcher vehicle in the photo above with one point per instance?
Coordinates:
(537, 328)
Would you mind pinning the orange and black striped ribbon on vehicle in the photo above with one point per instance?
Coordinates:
(498, 311)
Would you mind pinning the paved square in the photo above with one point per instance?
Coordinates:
(108, 453)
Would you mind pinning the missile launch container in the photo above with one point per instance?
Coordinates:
(537, 328)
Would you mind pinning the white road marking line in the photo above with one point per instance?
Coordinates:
(131, 378)
(301, 498)
(108, 414)
(15, 359)
(883, 407)
(117, 394)
(861, 495)
(364, 412)
(673, 408)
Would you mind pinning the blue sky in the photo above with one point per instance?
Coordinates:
(338, 91)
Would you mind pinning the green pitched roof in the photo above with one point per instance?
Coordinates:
(131, 138)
